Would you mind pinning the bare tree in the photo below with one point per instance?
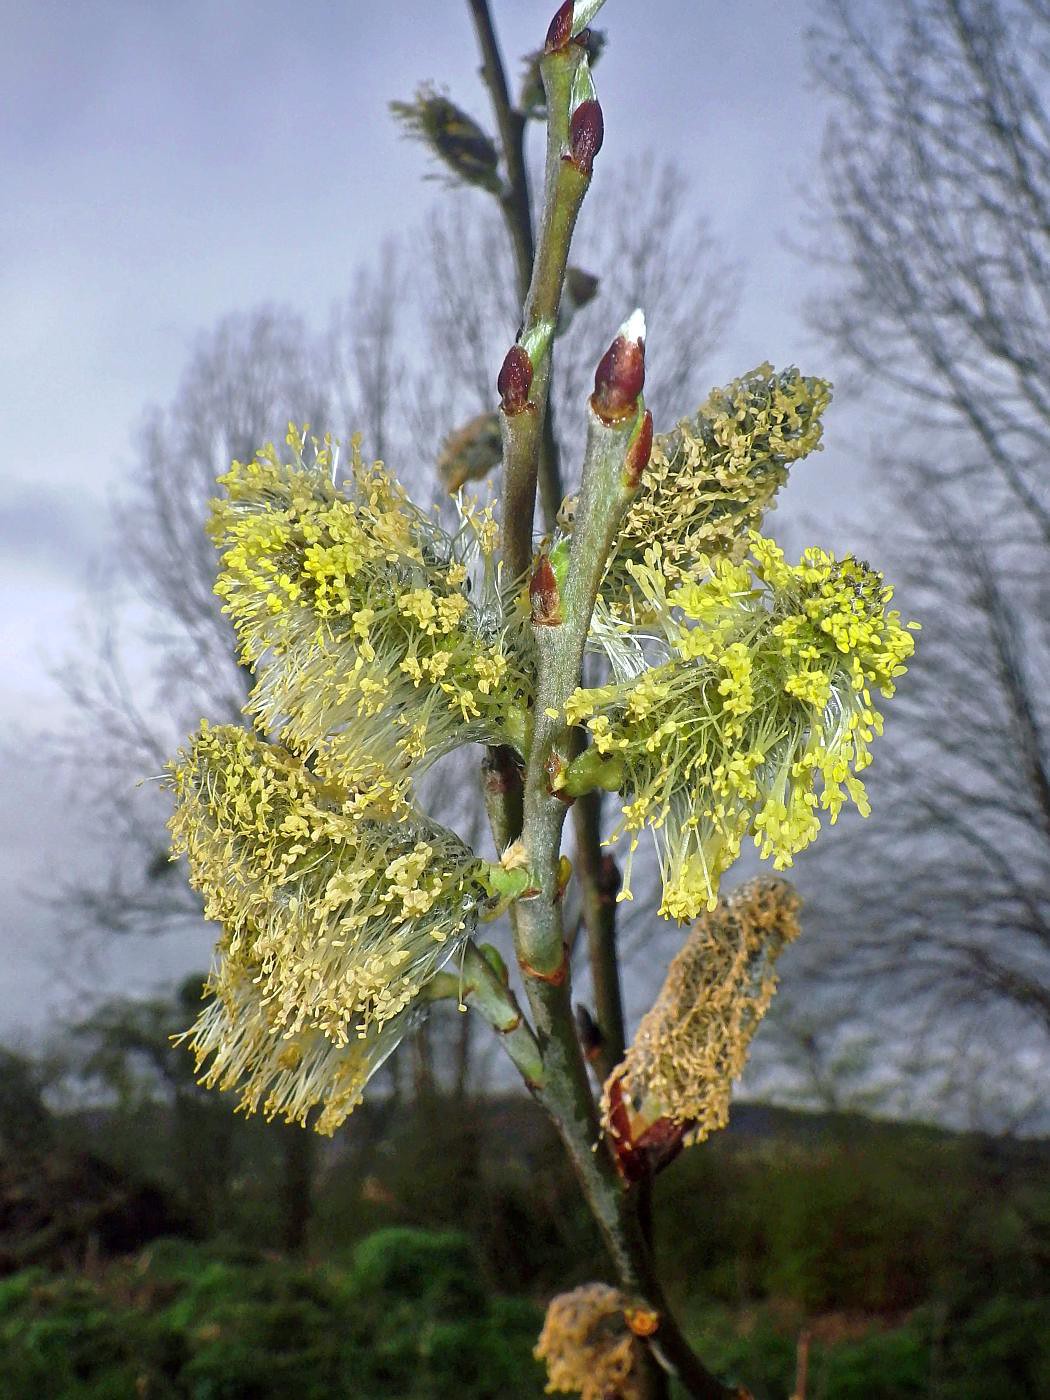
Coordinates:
(644, 245)
(161, 654)
(405, 356)
(938, 169)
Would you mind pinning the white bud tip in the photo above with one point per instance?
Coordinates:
(634, 327)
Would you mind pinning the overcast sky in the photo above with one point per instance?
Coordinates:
(167, 163)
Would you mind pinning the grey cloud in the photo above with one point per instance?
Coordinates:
(47, 529)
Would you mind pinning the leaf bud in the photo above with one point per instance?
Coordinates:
(586, 134)
(638, 452)
(620, 375)
(544, 598)
(560, 31)
(515, 381)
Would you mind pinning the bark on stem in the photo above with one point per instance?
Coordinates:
(480, 986)
(598, 911)
(516, 206)
(565, 185)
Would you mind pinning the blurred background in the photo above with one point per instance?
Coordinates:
(212, 224)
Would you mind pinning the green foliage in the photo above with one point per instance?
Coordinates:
(1000, 1352)
(426, 1327)
(917, 1259)
(879, 1223)
(408, 1319)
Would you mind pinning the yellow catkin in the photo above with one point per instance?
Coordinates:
(756, 714)
(711, 479)
(589, 1348)
(334, 909)
(379, 640)
(239, 1046)
(693, 1042)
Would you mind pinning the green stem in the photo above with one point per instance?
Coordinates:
(516, 207)
(565, 185)
(482, 986)
(599, 911)
(604, 497)
(560, 1079)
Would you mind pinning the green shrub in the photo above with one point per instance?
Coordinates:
(184, 1322)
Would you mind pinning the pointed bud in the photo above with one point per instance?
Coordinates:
(570, 22)
(617, 1120)
(591, 1039)
(515, 381)
(555, 768)
(564, 876)
(560, 31)
(639, 452)
(580, 287)
(586, 134)
(621, 373)
(544, 598)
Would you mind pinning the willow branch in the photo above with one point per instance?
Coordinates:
(619, 437)
(573, 137)
(599, 883)
(516, 207)
(514, 201)
(482, 986)
(593, 874)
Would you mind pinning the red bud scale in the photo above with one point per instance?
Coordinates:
(639, 452)
(515, 380)
(620, 375)
(544, 598)
(586, 134)
(560, 31)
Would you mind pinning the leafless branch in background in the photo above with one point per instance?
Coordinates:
(938, 163)
(160, 653)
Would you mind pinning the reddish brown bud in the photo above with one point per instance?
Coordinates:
(560, 31)
(620, 376)
(661, 1142)
(591, 1039)
(543, 594)
(608, 882)
(586, 134)
(554, 767)
(639, 452)
(631, 1166)
(515, 381)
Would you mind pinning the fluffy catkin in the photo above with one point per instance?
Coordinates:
(692, 1043)
(589, 1348)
